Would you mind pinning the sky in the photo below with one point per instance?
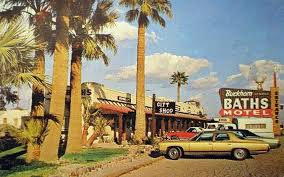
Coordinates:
(217, 43)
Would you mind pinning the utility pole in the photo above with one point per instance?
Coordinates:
(153, 133)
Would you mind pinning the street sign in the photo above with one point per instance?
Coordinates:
(165, 107)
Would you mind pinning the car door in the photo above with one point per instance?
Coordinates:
(222, 142)
(202, 144)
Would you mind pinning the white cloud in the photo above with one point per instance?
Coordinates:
(124, 31)
(234, 77)
(260, 69)
(161, 67)
(205, 82)
(198, 97)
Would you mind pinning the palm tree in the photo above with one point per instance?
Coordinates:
(59, 80)
(142, 10)
(39, 13)
(16, 60)
(16, 48)
(87, 41)
(181, 79)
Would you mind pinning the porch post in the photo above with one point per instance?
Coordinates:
(154, 126)
(169, 125)
(163, 125)
(175, 124)
(120, 128)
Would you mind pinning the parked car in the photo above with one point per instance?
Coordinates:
(189, 133)
(273, 142)
(219, 126)
(214, 142)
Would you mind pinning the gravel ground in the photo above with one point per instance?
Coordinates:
(264, 165)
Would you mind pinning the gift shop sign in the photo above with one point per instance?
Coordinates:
(243, 102)
(165, 107)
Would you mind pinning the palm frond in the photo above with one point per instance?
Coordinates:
(103, 16)
(143, 20)
(132, 15)
(30, 78)
(157, 18)
(128, 3)
(179, 78)
(16, 46)
(12, 13)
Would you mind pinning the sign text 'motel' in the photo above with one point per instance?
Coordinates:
(165, 107)
(244, 102)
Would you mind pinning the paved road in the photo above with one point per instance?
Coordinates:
(264, 165)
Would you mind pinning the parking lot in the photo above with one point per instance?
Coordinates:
(264, 165)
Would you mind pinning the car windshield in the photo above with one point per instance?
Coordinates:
(194, 130)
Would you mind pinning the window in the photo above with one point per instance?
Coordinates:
(248, 133)
(222, 137)
(5, 120)
(205, 137)
(239, 135)
(211, 127)
(255, 126)
(15, 122)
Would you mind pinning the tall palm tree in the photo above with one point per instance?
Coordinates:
(50, 145)
(180, 79)
(40, 17)
(88, 42)
(142, 11)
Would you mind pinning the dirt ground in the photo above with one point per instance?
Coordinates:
(264, 165)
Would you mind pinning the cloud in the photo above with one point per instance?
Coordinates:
(124, 31)
(161, 66)
(234, 77)
(259, 70)
(198, 97)
(205, 82)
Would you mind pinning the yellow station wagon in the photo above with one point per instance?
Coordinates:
(214, 142)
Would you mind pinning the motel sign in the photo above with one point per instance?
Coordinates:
(245, 103)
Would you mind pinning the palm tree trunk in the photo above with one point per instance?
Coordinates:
(84, 135)
(37, 108)
(91, 139)
(74, 142)
(59, 83)
(140, 87)
(178, 92)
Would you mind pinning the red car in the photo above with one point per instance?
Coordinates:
(188, 134)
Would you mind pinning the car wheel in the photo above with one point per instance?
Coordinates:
(174, 138)
(174, 153)
(240, 154)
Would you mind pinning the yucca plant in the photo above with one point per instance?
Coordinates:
(100, 124)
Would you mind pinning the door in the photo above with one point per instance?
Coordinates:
(222, 143)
